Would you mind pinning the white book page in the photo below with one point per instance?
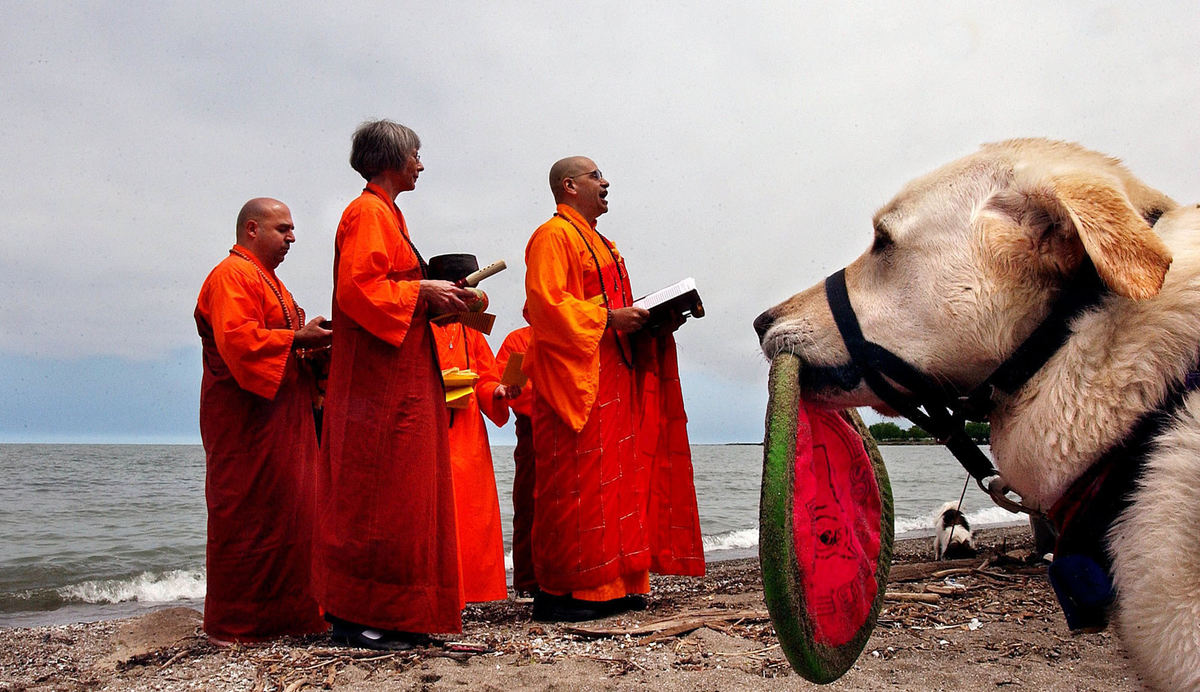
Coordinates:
(665, 294)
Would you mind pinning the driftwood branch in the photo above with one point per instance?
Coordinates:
(912, 597)
(672, 626)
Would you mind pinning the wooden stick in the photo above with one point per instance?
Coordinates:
(912, 597)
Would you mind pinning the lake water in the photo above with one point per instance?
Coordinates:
(92, 532)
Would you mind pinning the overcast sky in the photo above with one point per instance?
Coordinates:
(747, 145)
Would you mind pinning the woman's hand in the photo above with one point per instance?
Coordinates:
(444, 296)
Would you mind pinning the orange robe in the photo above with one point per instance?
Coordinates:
(524, 473)
(386, 549)
(260, 447)
(614, 491)
(480, 533)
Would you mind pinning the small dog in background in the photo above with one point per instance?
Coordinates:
(952, 534)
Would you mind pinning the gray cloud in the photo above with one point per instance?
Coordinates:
(747, 145)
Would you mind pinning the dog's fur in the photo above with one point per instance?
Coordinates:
(966, 262)
(952, 534)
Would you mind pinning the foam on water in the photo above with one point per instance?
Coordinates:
(981, 517)
(732, 540)
(147, 587)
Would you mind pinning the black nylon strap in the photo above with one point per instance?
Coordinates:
(877, 365)
(1084, 291)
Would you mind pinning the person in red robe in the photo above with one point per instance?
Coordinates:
(260, 444)
(477, 506)
(386, 548)
(524, 581)
(614, 492)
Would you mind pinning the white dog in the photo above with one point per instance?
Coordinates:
(965, 263)
(952, 534)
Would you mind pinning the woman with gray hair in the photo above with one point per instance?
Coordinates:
(386, 550)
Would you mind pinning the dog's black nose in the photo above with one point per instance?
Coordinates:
(762, 323)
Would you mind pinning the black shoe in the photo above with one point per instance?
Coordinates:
(349, 633)
(551, 608)
(368, 638)
(634, 602)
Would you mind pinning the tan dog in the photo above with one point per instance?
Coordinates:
(966, 261)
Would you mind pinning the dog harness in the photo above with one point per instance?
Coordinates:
(1081, 572)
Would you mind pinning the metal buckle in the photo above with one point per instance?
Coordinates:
(998, 490)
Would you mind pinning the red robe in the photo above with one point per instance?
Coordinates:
(260, 445)
(523, 477)
(477, 507)
(386, 550)
(606, 469)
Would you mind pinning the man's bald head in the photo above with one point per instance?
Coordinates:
(579, 184)
(256, 210)
(568, 168)
(265, 228)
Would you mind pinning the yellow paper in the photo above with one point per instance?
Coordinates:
(512, 371)
(459, 397)
(453, 377)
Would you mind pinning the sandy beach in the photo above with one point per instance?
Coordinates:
(991, 622)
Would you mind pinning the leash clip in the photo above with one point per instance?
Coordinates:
(997, 489)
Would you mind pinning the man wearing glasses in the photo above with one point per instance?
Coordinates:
(614, 492)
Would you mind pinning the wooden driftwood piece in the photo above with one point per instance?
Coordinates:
(935, 570)
(912, 597)
(672, 626)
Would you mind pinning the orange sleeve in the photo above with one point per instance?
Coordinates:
(371, 251)
(232, 301)
(484, 363)
(564, 357)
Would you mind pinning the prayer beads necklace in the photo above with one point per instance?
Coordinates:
(619, 283)
(287, 315)
(403, 232)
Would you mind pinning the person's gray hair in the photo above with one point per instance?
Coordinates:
(380, 145)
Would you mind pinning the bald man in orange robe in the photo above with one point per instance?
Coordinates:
(386, 549)
(524, 581)
(260, 444)
(614, 492)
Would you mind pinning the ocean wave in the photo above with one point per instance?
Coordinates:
(980, 517)
(147, 587)
(739, 539)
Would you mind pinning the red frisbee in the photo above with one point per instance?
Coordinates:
(825, 529)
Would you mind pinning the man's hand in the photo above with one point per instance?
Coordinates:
(313, 335)
(511, 391)
(628, 319)
(670, 325)
(444, 296)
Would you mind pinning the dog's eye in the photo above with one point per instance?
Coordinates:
(882, 241)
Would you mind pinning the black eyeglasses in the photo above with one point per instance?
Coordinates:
(596, 175)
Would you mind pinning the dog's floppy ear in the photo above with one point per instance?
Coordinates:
(1128, 255)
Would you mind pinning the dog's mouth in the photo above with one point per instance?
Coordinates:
(830, 379)
(839, 386)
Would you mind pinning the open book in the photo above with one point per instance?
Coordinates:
(680, 298)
